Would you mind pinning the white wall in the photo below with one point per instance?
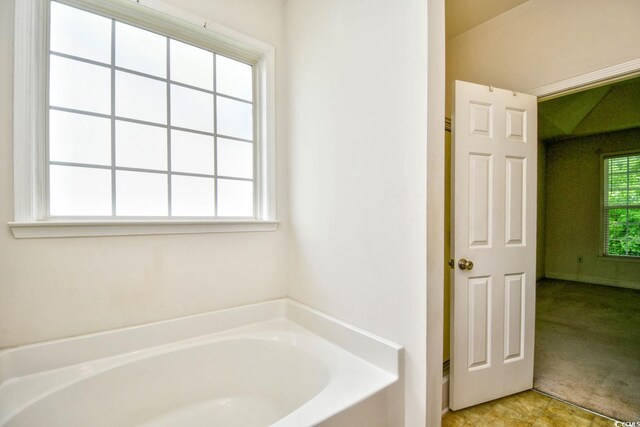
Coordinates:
(52, 288)
(357, 118)
(544, 41)
(573, 211)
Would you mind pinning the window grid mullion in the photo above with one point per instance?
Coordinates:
(147, 123)
(149, 76)
(112, 166)
(169, 187)
(113, 118)
(153, 171)
(215, 132)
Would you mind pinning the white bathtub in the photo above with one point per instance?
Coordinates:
(250, 366)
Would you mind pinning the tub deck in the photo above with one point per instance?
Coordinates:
(277, 363)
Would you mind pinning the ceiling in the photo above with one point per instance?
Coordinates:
(602, 109)
(462, 15)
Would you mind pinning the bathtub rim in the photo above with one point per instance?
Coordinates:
(70, 353)
(31, 359)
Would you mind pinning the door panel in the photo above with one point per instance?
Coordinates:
(480, 200)
(514, 292)
(494, 195)
(479, 322)
(516, 196)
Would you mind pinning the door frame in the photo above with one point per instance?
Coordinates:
(435, 327)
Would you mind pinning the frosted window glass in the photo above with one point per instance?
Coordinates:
(191, 109)
(75, 191)
(234, 118)
(79, 33)
(78, 138)
(141, 98)
(141, 194)
(191, 65)
(235, 198)
(78, 85)
(192, 152)
(235, 158)
(141, 50)
(192, 196)
(141, 146)
(234, 78)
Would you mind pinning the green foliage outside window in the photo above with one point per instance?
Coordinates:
(622, 205)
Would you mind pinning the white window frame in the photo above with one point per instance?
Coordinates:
(30, 112)
(603, 186)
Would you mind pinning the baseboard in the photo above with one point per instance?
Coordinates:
(594, 280)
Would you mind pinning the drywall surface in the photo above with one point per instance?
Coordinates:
(53, 288)
(542, 212)
(573, 211)
(544, 41)
(358, 149)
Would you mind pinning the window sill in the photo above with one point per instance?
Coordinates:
(619, 258)
(47, 229)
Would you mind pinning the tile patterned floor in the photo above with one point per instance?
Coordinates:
(526, 409)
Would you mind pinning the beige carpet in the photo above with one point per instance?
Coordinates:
(588, 346)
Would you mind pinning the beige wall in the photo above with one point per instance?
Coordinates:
(357, 117)
(544, 41)
(52, 288)
(573, 211)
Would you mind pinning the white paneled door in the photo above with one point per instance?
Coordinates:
(494, 243)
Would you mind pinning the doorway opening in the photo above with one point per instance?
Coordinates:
(588, 258)
(547, 94)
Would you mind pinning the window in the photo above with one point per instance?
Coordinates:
(130, 113)
(621, 205)
(141, 124)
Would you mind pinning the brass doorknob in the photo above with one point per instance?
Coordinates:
(464, 264)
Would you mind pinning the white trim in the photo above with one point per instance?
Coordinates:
(31, 47)
(584, 81)
(43, 229)
(621, 258)
(594, 280)
(430, 295)
(602, 228)
(29, 99)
